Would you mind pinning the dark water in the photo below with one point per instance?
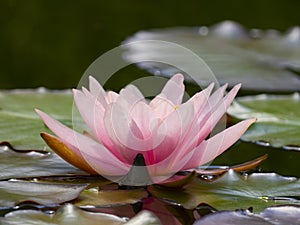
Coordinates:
(51, 43)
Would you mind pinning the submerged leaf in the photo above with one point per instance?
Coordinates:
(232, 191)
(277, 116)
(260, 60)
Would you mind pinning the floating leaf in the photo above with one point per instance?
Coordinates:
(13, 192)
(66, 215)
(20, 125)
(270, 216)
(238, 168)
(144, 218)
(232, 191)
(260, 60)
(118, 210)
(70, 215)
(282, 215)
(23, 163)
(179, 181)
(94, 197)
(278, 119)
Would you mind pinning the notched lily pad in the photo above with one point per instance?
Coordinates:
(232, 191)
(277, 116)
(270, 216)
(263, 60)
(13, 192)
(71, 215)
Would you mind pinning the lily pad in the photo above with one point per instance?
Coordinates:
(20, 125)
(22, 164)
(270, 216)
(232, 191)
(71, 215)
(96, 198)
(13, 192)
(260, 60)
(278, 119)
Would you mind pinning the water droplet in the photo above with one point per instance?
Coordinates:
(256, 33)
(203, 30)
(293, 36)
(292, 147)
(229, 29)
(263, 143)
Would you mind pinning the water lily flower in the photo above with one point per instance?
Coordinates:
(171, 135)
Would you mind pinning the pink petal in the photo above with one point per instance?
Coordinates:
(201, 98)
(64, 133)
(216, 113)
(144, 118)
(172, 130)
(88, 108)
(97, 91)
(161, 106)
(209, 117)
(200, 102)
(92, 113)
(131, 94)
(93, 152)
(174, 89)
(102, 160)
(121, 129)
(210, 149)
(111, 97)
(217, 95)
(180, 125)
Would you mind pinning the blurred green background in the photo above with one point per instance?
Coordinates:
(51, 42)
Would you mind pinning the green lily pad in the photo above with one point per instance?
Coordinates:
(278, 119)
(260, 60)
(232, 191)
(270, 216)
(13, 192)
(20, 125)
(22, 164)
(95, 197)
(71, 215)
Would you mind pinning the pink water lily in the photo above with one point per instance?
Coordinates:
(172, 136)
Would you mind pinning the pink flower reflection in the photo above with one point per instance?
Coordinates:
(171, 135)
